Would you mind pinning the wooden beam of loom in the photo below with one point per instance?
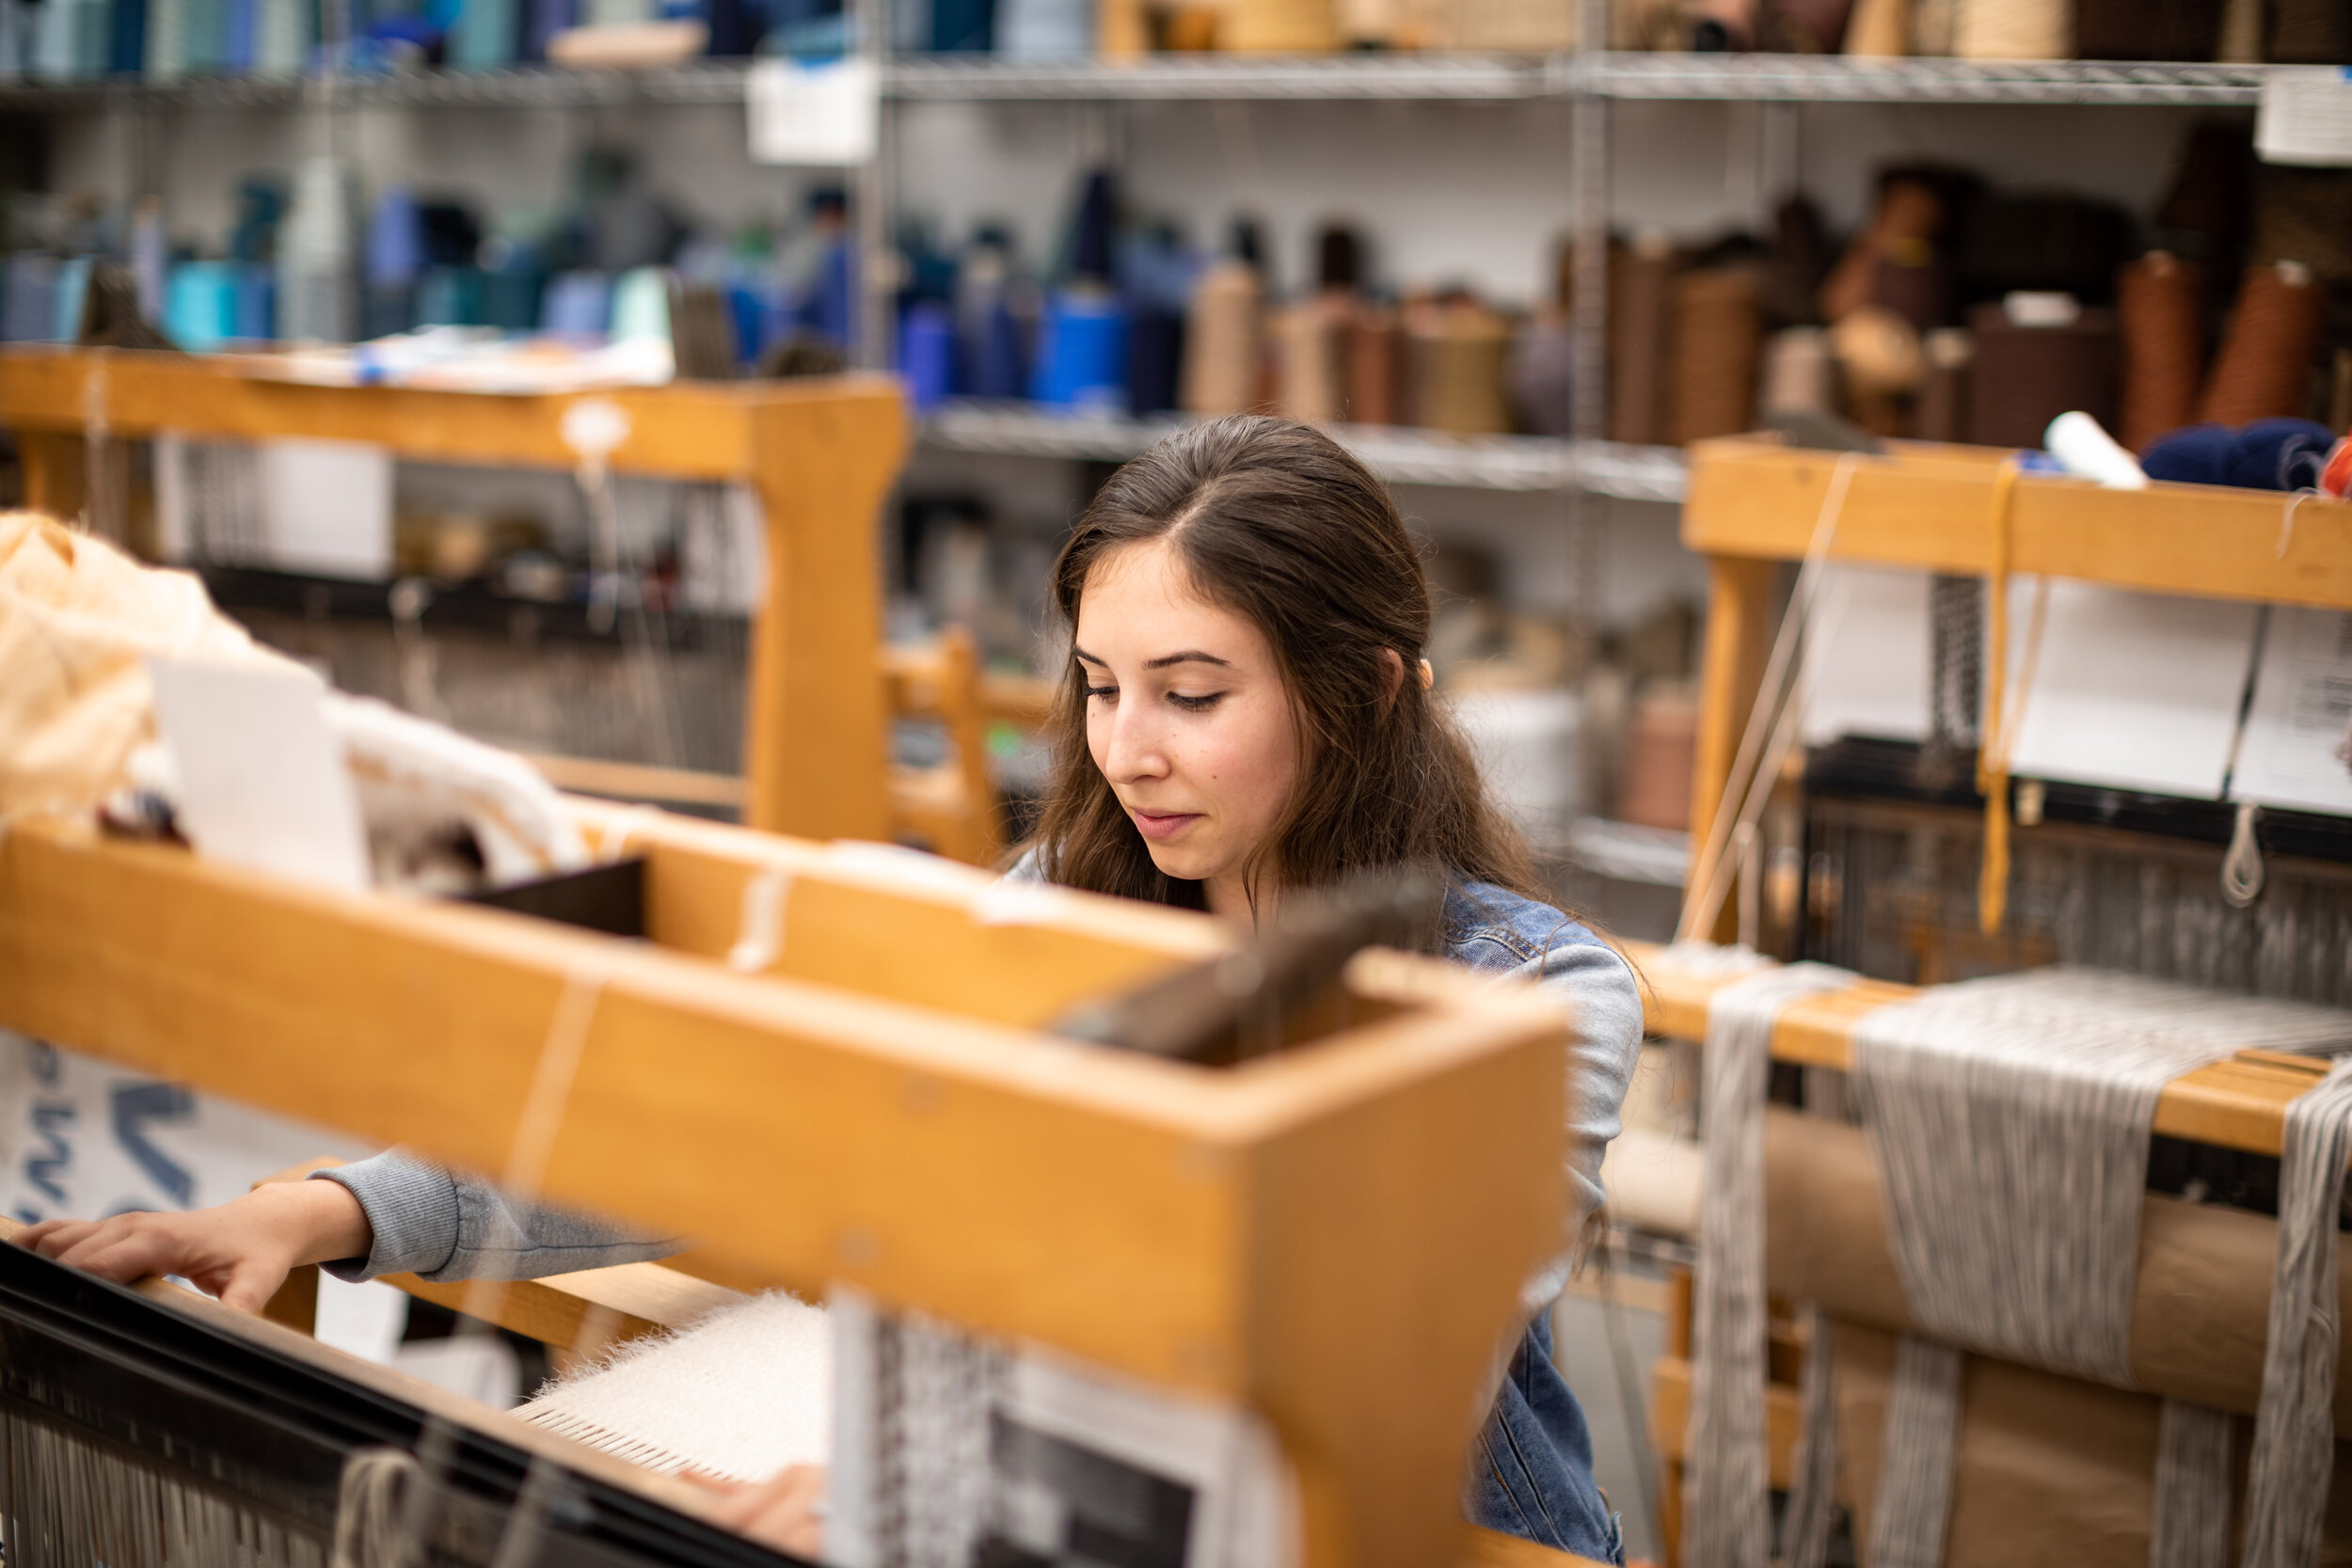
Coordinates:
(1335, 1237)
(2238, 1103)
(821, 453)
(1931, 507)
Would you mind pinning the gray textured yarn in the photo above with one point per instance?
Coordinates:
(1727, 1506)
(1915, 1491)
(1812, 1514)
(368, 1504)
(2190, 1526)
(2295, 1425)
(2010, 1117)
(2011, 1120)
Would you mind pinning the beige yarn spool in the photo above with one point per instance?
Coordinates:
(1280, 27)
(2015, 30)
(1880, 359)
(1879, 29)
(1223, 341)
(1458, 351)
(1310, 345)
(2241, 33)
(1932, 23)
(1534, 27)
(1799, 375)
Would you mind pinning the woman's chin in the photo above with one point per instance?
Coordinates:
(1183, 861)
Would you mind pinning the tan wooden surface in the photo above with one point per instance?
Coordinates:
(821, 453)
(1739, 639)
(1492, 1549)
(2238, 1103)
(1931, 507)
(1335, 1236)
(1670, 1417)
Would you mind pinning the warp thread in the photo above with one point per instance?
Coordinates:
(2160, 302)
(1727, 1518)
(2190, 1526)
(2294, 1426)
(369, 1503)
(1812, 1514)
(1913, 1502)
(2264, 368)
(1718, 336)
(2010, 1119)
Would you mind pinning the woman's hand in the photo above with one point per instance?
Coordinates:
(786, 1510)
(240, 1252)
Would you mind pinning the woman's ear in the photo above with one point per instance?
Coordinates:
(1391, 676)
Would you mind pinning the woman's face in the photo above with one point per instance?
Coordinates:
(1185, 715)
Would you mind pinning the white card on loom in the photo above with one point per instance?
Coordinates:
(2302, 709)
(2131, 690)
(1871, 676)
(262, 781)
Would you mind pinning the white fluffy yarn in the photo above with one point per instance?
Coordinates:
(742, 1393)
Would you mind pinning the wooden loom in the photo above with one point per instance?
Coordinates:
(820, 453)
(1334, 1237)
(1753, 505)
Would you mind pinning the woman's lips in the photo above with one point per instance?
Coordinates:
(1162, 824)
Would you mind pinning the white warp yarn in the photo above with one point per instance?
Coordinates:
(1727, 1506)
(742, 1393)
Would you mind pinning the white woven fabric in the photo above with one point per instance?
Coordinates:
(742, 1393)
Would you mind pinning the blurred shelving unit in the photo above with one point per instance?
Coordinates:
(1840, 79)
(1399, 454)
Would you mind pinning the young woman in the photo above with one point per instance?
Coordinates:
(1246, 712)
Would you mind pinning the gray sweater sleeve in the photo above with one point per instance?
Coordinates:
(441, 1226)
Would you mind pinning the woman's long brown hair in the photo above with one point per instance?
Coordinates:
(1276, 522)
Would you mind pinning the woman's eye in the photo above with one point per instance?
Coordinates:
(1196, 704)
(1102, 691)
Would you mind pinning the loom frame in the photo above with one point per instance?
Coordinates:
(1287, 1234)
(821, 453)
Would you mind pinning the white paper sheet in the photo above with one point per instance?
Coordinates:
(328, 507)
(2131, 690)
(262, 783)
(1871, 677)
(2302, 707)
(822, 115)
(2305, 116)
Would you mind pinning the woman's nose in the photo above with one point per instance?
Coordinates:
(1136, 750)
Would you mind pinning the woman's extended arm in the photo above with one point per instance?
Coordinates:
(388, 1214)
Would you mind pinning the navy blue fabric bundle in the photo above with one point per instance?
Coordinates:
(2268, 454)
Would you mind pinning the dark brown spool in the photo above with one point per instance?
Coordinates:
(1718, 342)
(2264, 369)
(1944, 395)
(1914, 285)
(1910, 217)
(2160, 302)
(2147, 29)
(2305, 215)
(2309, 32)
(1373, 346)
(2022, 378)
(1640, 320)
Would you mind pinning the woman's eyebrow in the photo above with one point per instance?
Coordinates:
(1190, 655)
(1082, 656)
